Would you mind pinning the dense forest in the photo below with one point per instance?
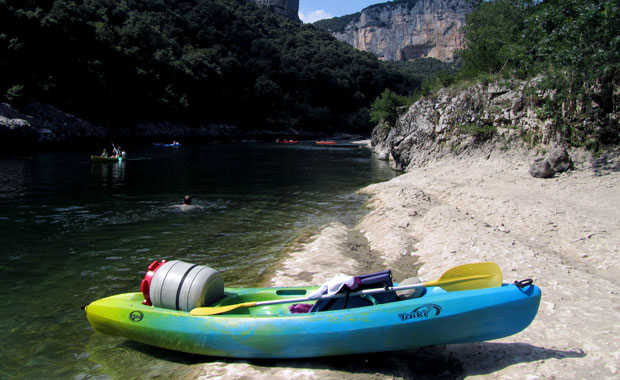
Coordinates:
(214, 61)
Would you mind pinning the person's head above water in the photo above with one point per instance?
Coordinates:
(187, 200)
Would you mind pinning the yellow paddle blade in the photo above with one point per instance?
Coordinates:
(220, 309)
(469, 276)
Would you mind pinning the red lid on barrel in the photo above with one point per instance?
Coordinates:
(145, 286)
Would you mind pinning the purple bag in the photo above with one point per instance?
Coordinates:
(298, 308)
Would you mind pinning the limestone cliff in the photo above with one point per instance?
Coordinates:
(406, 29)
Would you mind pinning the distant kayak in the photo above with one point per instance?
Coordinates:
(287, 141)
(326, 142)
(100, 159)
(162, 144)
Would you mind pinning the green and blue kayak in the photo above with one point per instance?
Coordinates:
(272, 331)
(100, 159)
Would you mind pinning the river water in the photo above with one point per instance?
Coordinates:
(72, 232)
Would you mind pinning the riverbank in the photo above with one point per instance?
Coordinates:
(41, 127)
(563, 232)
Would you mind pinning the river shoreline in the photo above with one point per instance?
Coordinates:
(563, 232)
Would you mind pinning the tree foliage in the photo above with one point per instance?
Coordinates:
(495, 37)
(338, 24)
(221, 61)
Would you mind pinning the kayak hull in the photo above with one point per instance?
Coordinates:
(325, 142)
(439, 317)
(100, 159)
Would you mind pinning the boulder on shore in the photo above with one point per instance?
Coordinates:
(556, 161)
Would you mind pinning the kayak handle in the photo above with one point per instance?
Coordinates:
(523, 283)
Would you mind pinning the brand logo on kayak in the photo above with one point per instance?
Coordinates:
(136, 316)
(424, 311)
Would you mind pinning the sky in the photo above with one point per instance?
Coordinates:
(314, 10)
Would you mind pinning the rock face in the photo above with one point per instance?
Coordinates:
(288, 8)
(459, 121)
(406, 30)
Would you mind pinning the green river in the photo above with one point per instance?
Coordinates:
(72, 232)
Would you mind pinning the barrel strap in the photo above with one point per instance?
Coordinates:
(181, 284)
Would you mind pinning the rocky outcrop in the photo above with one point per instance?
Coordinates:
(406, 30)
(14, 126)
(41, 123)
(460, 121)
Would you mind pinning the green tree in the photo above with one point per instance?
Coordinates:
(388, 107)
(494, 37)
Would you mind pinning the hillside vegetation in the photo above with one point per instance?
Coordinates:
(215, 61)
(574, 45)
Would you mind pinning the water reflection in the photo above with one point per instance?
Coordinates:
(109, 174)
(14, 178)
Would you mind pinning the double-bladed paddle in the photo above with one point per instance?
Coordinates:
(462, 277)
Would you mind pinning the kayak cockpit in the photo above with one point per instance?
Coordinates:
(233, 296)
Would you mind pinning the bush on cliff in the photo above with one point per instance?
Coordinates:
(431, 74)
(387, 107)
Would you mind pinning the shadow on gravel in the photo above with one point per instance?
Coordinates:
(435, 362)
(606, 163)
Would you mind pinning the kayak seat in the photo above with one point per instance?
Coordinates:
(369, 281)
